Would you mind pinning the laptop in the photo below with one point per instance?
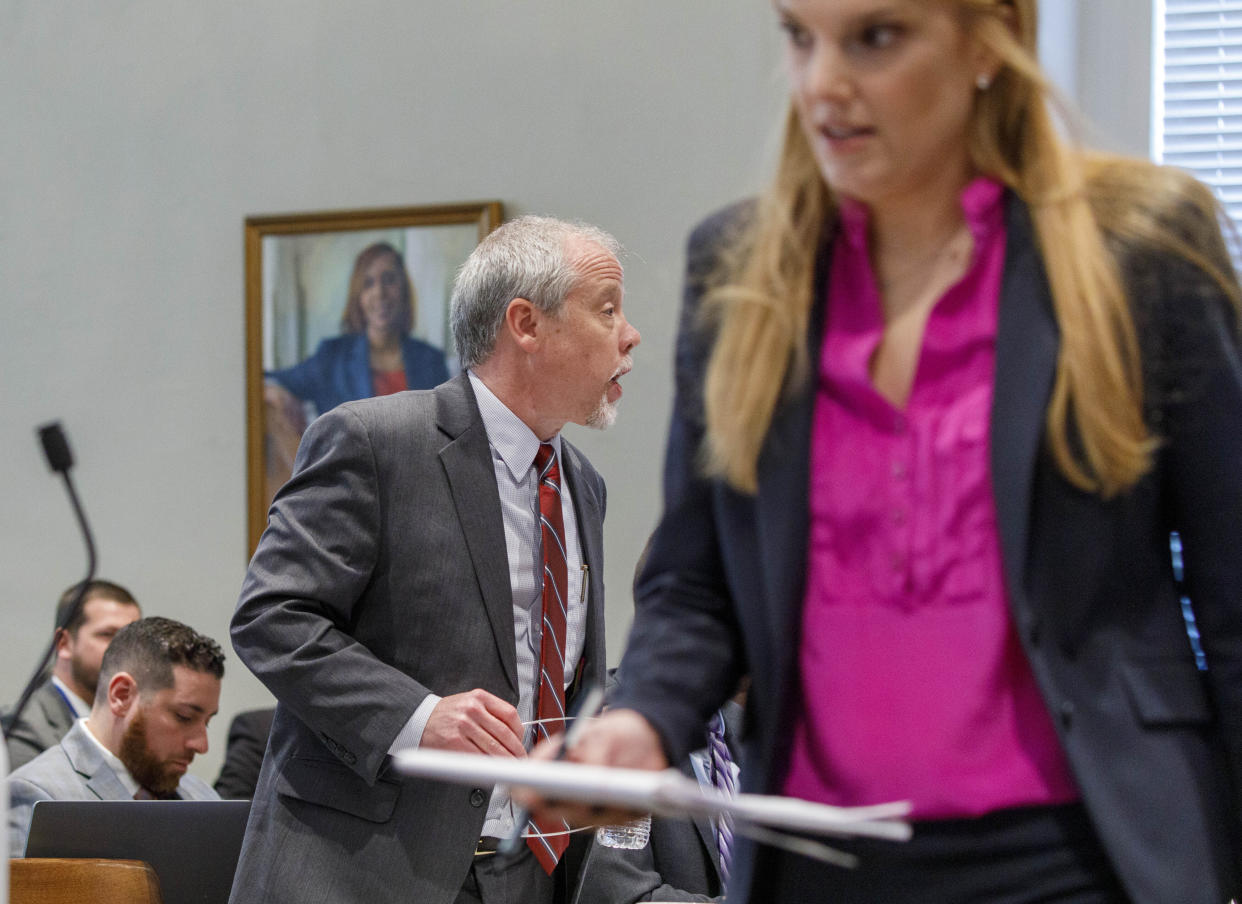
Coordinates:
(193, 845)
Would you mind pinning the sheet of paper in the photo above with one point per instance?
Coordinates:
(667, 793)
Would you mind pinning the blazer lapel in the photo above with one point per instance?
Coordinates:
(88, 761)
(53, 709)
(1027, 341)
(588, 511)
(467, 462)
(699, 767)
(784, 481)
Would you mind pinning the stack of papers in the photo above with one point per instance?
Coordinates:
(666, 793)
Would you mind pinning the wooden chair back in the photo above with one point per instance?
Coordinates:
(56, 880)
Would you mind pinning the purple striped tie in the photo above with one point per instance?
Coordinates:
(722, 781)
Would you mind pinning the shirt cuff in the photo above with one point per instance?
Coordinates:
(411, 734)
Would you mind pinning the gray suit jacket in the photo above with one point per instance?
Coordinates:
(75, 769)
(43, 722)
(681, 861)
(382, 577)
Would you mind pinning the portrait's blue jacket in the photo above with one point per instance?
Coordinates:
(340, 370)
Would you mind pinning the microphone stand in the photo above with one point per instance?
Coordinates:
(60, 459)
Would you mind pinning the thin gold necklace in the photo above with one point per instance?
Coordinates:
(925, 265)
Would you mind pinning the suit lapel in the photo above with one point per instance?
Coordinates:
(54, 709)
(697, 768)
(782, 511)
(784, 481)
(88, 761)
(1027, 342)
(588, 512)
(467, 462)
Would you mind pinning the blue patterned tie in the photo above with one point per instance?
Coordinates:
(722, 781)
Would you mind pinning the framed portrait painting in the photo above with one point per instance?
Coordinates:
(340, 306)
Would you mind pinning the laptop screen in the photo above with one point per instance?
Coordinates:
(193, 845)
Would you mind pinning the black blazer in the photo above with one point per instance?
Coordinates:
(1155, 745)
(243, 756)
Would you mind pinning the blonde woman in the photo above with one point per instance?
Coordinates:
(942, 395)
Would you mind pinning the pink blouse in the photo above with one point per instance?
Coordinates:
(913, 682)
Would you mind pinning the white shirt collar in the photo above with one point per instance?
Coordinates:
(513, 441)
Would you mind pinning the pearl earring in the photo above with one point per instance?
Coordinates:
(983, 81)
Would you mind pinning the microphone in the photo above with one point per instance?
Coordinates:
(60, 460)
(56, 447)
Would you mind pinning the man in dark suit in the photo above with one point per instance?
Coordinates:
(397, 597)
(243, 754)
(681, 860)
(159, 687)
(69, 691)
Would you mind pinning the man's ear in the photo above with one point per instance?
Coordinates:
(522, 323)
(63, 639)
(122, 694)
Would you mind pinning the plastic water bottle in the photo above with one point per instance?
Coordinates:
(628, 836)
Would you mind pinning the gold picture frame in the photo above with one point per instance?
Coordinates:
(304, 273)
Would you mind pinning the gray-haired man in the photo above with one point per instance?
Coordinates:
(398, 597)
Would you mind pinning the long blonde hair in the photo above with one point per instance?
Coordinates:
(761, 294)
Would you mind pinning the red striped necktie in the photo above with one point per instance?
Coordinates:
(551, 706)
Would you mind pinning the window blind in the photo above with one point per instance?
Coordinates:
(1197, 97)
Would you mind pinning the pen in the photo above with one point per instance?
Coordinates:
(591, 701)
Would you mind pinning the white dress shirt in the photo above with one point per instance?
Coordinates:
(513, 446)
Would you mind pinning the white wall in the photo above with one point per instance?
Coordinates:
(1098, 54)
(1114, 46)
(137, 135)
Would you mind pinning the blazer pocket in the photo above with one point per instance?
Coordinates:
(328, 783)
(1167, 692)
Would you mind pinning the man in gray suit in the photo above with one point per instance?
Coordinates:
(68, 692)
(397, 597)
(159, 685)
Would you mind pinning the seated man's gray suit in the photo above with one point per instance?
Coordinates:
(44, 721)
(75, 769)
